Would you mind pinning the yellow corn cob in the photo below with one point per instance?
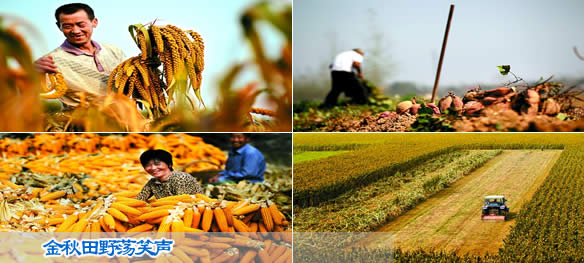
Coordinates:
(117, 214)
(177, 226)
(262, 227)
(201, 208)
(165, 225)
(141, 228)
(54, 221)
(246, 209)
(120, 227)
(153, 214)
(240, 226)
(163, 207)
(188, 217)
(95, 227)
(240, 204)
(69, 221)
(228, 216)
(126, 209)
(155, 221)
(253, 227)
(109, 221)
(220, 219)
(52, 196)
(207, 218)
(176, 197)
(267, 217)
(132, 202)
(164, 202)
(79, 226)
(104, 225)
(276, 215)
(196, 218)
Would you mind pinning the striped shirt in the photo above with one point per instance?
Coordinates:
(85, 72)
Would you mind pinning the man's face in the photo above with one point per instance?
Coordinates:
(77, 27)
(238, 140)
(158, 169)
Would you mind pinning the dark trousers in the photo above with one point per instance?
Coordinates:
(348, 83)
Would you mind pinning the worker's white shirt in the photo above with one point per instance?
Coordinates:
(344, 61)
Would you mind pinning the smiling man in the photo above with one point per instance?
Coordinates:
(245, 162)
(85, 63)
(165, 181)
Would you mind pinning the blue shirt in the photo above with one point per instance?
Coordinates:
(245, 163)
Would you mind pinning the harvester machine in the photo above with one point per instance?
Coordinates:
(494, 208)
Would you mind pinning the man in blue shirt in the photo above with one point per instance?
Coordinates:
(245, 162)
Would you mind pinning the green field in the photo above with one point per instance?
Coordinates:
(313, 155)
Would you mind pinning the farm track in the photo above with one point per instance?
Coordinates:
(450, 220)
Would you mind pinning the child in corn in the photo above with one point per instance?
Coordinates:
(165, 181)
(245, 162)
(84, 63)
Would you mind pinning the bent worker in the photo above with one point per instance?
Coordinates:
(346, 74)
(244, 162)
(85, 63)
(165, 181)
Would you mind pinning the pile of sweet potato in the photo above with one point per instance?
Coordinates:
(530, 100)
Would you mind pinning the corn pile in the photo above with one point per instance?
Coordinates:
(183, 213)
(58, 87)
(181, 57)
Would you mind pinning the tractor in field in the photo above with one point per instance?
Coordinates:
(494, 208)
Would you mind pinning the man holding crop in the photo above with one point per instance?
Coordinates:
(165, 181)
(85, 63)
(345, 74)
(245, 162)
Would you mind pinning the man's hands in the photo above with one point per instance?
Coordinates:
(45, 65)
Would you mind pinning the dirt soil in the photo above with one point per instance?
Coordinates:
(509, 120)
(451, 220)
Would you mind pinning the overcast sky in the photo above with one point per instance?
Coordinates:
(216, 21)
(535, 37)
